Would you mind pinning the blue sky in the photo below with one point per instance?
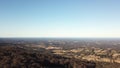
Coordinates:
(59, 18)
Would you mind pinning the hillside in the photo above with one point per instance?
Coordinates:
(15, 57)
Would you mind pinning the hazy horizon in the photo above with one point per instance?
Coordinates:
(60, 18)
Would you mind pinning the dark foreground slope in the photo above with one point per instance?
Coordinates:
(15, 57)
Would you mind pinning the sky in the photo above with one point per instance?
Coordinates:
(60, 18)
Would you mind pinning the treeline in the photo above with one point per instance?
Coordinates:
(14, 57)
